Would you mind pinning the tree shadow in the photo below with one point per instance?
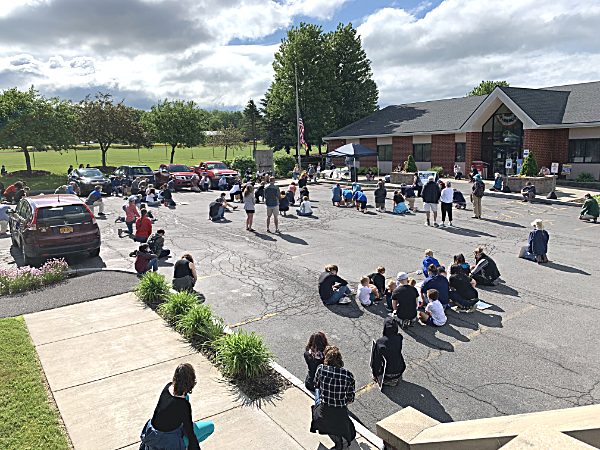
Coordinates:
(563, 268)
(503, 223)
(466, 232)
(407, 394)
(292, 239)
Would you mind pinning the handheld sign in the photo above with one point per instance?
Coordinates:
(554, 168)
(424, 176)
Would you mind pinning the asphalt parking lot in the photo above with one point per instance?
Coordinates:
(536, 348)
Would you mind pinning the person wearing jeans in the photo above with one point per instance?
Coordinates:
(332, 288)
(145, 260)
(447, 198)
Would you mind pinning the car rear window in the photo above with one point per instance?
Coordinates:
(63, 215)
(141, 170)
(178, 168)
(217, 166)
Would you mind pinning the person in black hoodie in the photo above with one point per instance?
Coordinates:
(380, 194)
(485, 272)
(389, 346)
(431, 197)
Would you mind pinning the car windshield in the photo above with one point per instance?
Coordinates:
(90, 173)
(141, 170)
(212, 166)
(62, 215)
(178, 168)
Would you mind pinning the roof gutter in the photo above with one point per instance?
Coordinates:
(371, 136)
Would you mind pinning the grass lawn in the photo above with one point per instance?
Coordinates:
(27, 420)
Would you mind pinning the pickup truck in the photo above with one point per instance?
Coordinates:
(182, 175)
(215, 170)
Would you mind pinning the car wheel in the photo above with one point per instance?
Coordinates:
(28, 260)
(95, 252)
(15, 243)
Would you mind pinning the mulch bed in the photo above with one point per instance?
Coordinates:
(24, 174)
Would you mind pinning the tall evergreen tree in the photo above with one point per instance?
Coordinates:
(274, 130)
(251, 124)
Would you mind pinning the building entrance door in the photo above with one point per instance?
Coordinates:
(502, 140)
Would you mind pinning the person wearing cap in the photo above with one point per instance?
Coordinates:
(476, 195)
(589, 210)
(405, 300)
(537, 243)
(431, 197)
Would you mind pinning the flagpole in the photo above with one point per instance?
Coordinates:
(297, 120)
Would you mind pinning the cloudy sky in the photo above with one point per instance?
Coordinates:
(219, 52)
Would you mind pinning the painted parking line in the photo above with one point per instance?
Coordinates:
(589, 226)
(367, 387)
(256, 319)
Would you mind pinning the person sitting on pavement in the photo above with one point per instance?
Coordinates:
(305, 208)
(259, 192)
(355, 187)
(156, 242)
(284, 204)
(537, 243)
(380, 194)
(336, 194)
(431, 196)
(367, 293)
(184, 274)
(497, 182)
(205, 183)
(131, 214)
(116, 185)
(172, 426)
(589, 210)
(143, 227)
(528, 192)
(314, 357)
(389, 346)
(438, 282)
(332, 288)
(95, 199)
(216, 210)
(145, 260)
(429, 259)
(388, 295)
(167, 196)
(223, 183)
(409, 195)
(347, 194)
(360, 199)
(151, 199)
(378, 279)
(485, 271)
(370, 175)
(405, 301)
(336, 388)
(236, 192)
(462, 290)
(457, 173)
(459, 199)
(459, 260)
(434, 311)
(194, 182)
(291, 198)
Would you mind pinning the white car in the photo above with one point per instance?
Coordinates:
(339, 173)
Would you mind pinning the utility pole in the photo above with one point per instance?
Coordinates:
(297, 120)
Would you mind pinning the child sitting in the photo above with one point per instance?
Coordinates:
(304, 192)
(434, 311)
(399, 205)
(367, 293)
(388, 295)
(284, 204)
(305, 209)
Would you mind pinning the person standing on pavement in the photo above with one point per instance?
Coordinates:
(409, 195)
(332, 288)
(95, 199)
(431, 197)
(314, 357)
(589, 210)
(249, 202)
(380, 194)
(389, 347)
(476, 195)
(417, 184)
(272, 196)
(143, 227)
(184, 274)
(447, 198)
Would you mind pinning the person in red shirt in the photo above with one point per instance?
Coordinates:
(143, 227)
(10, 191)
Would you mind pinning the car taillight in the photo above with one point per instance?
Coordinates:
(91, 214)
(33, 225)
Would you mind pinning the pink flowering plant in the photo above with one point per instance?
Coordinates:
(28, 278)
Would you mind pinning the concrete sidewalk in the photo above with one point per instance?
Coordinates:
(107, 361)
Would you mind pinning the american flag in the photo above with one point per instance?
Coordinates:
(301, 125)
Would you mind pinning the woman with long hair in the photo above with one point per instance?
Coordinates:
(249, 202)
(314, 357)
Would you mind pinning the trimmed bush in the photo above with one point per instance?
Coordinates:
(199, 322)
(241, 163)
(530, 166)
(411, 165)
(152, 288)
(439, 170)
(585, 177)
(177, 305)
(242, 355)
(284, 163)
(28, 278)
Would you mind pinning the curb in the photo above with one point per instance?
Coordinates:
(99, 269)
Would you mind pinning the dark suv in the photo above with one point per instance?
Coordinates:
(132, 172)
(88, 179)
(53, 225)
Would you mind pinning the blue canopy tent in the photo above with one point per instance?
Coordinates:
(354, 151)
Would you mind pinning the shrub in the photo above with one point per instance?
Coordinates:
(242, 355)
(585, 177)
(241, 163)
(152, 288)
(199, 322)
(28, 278)
(530, 166)
(227, 162)
(177, 305)
(284, 163)
(411, 165)
(439, 170)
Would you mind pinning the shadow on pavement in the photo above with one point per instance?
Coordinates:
(564, 268)
(466, 232)
(264, 237)
(351, 310)
(503, 223)
(409, 394)
(292, 239)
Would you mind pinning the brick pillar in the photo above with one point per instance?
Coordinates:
(443, 152)
(402, 148)
(334, 144)
(473, 149)
(369, 161)
(548, 146)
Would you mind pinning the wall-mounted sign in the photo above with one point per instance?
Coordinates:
(525, 152)
(508, 164)
(566, 169)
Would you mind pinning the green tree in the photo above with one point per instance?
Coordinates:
(214, 123)
(241, 163)
(486, 87)
(411, 165)
(354, 93)
(274, 128)
(252, 122)
(284, 163)
(177, 123)
(530, 166)
(102, 120)
(30, 120)
(230, 138)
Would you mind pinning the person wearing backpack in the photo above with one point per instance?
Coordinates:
(156, 243)
(476, 195)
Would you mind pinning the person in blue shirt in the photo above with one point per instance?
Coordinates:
(116, 185)
(439, 282)
(3, 171)
(361, 201)
(336, 197)
(537, 243)
(171, 184)
(497, 183)
(356, 187)
(71, 188)
(347, 194)
(429, 260)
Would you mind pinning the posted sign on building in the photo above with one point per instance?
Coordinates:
(554, 168)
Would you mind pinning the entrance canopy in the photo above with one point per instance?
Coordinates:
(352, 150)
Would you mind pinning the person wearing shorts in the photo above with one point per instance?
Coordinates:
(249, 201)
(361, 201)
(431, 196)
(272, 196)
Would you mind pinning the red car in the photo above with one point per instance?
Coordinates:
(215, 171)
(182, 175)
(53, 225)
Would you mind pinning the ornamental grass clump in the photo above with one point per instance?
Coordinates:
(28, 278)
(152, 288)
(177, 305)
(242, 355)
(200, 323)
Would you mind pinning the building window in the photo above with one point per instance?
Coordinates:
(422, 152)
(584, 151)
(385, 152)
(460, 151)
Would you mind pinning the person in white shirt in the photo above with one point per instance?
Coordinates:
(236, 191)
(434, 311)
(447, 198)
(151, 198)
(367, 293)
(305, 209)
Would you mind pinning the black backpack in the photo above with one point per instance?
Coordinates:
(152, 243)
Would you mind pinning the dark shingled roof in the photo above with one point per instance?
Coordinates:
(437, 115)
(575, 103)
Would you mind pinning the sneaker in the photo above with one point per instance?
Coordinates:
(472, 308)
(277, 231)
(344, 301)
(435, 224)
(101, 214)
(120, 232)
(496, 282)
(427, 224)
(268, 231)
(450, 224)
(474, 217)
(442, 224)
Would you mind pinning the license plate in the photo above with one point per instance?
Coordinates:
(66, 230)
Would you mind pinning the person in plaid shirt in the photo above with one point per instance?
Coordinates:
(335, 391)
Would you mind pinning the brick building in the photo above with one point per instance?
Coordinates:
(558, 124)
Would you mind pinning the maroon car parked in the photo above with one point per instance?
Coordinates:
(53, 225)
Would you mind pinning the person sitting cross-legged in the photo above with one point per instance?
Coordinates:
(305, 208)
(367, 293)
(434, 311)
(405, 300)
(332, 288)
(389, 346)
(462, 289)
(437, 281)
(528, 192)
(156, 242)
